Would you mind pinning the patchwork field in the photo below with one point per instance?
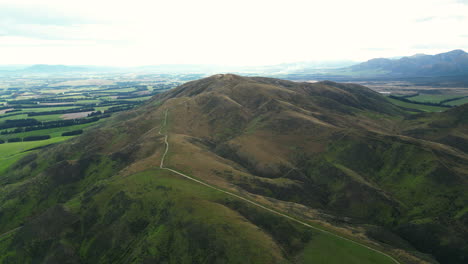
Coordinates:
(49, 106)
(417, 107)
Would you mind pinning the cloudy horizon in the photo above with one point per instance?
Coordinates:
(120, 33)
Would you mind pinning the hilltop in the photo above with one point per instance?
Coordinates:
(338, 156)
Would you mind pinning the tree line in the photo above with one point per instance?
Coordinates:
(25, 139)
(30, 125)
(40, 137)
(65, 111)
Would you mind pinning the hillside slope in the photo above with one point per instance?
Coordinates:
(339, 148)
(338, 156)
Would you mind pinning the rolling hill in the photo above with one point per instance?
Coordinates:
(255, 170)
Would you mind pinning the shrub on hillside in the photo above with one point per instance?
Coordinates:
(72, 133)
(34, 138)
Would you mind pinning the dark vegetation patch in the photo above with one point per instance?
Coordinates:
(66, 111)
(24, 161)
(34, 138)
(72, 133)
(432, 237)
(291, 236)
(38, 241)
(395, 166)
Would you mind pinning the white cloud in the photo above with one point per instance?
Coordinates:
(227, 32)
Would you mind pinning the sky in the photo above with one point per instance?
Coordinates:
(241, 32)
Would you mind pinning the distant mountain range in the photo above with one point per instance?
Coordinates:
(444, 64)
(53, 68)
(453, 63)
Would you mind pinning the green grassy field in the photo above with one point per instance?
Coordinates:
(38, 118)
(21, 116)
(121, 90)
(73, 92)
(90, 101)
(458, 102)
(329, 250)
(11, 152)
(52, 132)
(47, 109)
(47, 117)
(139, 98)
(74, 97)
(425, 108)
(432, 98)
(104, 108)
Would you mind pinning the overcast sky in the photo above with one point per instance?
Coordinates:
(240, 32)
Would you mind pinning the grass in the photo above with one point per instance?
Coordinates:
(156, 216)
(48, 117)
(11, 152)
(170, 219)
(11, 149)
(53, 132)
(38, 118)
(254, 125)
(21, 116)
(138, 98)
(323, 248)
(329, 250)
(47, 109)
(121, 90)
(103, 108)
(458, 102)
(91, 101)
(79, 96)
(421, 107)
(432, 98)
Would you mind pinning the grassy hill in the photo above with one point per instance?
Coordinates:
(337, 156)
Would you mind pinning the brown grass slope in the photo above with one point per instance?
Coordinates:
(339, 155)
(339, 148)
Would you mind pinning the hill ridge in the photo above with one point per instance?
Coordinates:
(339, 155)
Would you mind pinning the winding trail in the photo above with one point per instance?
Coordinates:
(9, 232)
(166, 142)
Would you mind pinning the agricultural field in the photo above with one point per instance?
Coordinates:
(427, 102)
(42, 108)
(411, 107)
(421, 95)
(458, 102)
(11, 152)
(432, 98)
